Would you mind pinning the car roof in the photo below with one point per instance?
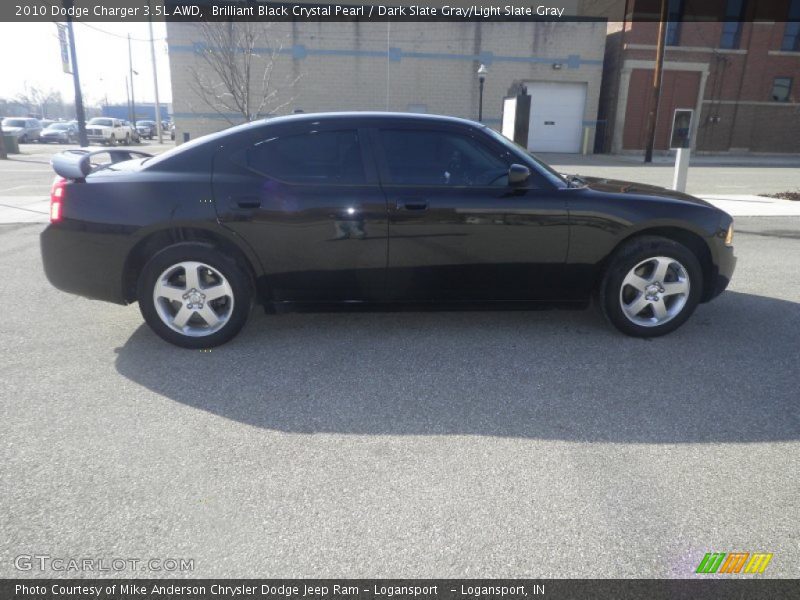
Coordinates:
(315, 117)
(211, 140)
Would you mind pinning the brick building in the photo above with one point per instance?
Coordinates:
(741, 78)
(407, 66)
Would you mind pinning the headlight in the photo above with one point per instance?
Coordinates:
(729, 236)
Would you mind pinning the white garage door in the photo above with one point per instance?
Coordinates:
(556, 116)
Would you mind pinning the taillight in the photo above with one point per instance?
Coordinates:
(57, 195)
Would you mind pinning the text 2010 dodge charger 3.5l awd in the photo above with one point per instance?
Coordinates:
(371, 207)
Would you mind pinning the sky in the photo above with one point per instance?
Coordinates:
(102, 61)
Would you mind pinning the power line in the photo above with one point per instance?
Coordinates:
(121, 36)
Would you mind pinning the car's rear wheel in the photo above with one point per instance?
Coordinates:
(651, 287)
(194, 296)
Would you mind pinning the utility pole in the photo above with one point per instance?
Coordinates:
(652, 117)
(76, 80)
(128, 97)
(155, 77)
(130, 68)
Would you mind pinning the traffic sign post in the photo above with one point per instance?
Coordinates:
(681, 140)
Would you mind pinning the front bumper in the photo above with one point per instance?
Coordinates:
(723, 272)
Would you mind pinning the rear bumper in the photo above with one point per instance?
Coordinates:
(84, 263)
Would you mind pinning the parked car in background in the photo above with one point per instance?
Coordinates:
(24, 129)
(45, 123)
(107, 130)
(135, 137)
(61, 133)
(146, 129)
(372, 207)
(172, 131)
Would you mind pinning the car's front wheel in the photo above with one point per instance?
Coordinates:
(194, 296)
(651, 287)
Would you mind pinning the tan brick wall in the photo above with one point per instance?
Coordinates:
(444, 79)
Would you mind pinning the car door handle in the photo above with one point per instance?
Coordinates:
(246, 202)
(411, 204)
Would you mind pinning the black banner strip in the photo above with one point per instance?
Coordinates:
(399, 589)
(392, 10)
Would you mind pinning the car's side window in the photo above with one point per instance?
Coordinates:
(329, 157)
(420, 157)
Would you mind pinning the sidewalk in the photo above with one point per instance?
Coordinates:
(24, 209)
(700, 160)
(25, 180)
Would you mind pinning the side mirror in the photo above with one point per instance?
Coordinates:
(518, 174)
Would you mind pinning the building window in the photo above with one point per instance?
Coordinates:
(791, 34)
(732, 26)
(674, 16)
(781, 88)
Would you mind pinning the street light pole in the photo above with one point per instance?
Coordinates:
(482, 71)
(155, 78)
(76, 80)
(127, 96)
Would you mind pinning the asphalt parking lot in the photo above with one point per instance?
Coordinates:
(413, 444)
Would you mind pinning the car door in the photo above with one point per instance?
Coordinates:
(307, 199)
(458, 231)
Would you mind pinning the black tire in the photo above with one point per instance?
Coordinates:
(629, 256)
(234, 273)
(23, 139)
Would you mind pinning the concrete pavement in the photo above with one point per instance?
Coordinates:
(414, 444)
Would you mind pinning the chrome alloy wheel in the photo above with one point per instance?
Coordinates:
(193, 299)
(654, 291)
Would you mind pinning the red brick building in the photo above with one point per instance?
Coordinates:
(741, 78)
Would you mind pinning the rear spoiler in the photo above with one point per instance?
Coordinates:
(77, 164)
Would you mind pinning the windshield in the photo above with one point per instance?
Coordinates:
(145, 122)
(98, 121)
(59, 126)
(13, 123)
(512, 144)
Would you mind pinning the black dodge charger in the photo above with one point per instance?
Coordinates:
(369, 208)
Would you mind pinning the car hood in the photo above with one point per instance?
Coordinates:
(619, 187)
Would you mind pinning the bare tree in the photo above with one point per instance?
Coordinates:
(38, 101)
(236, 70)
